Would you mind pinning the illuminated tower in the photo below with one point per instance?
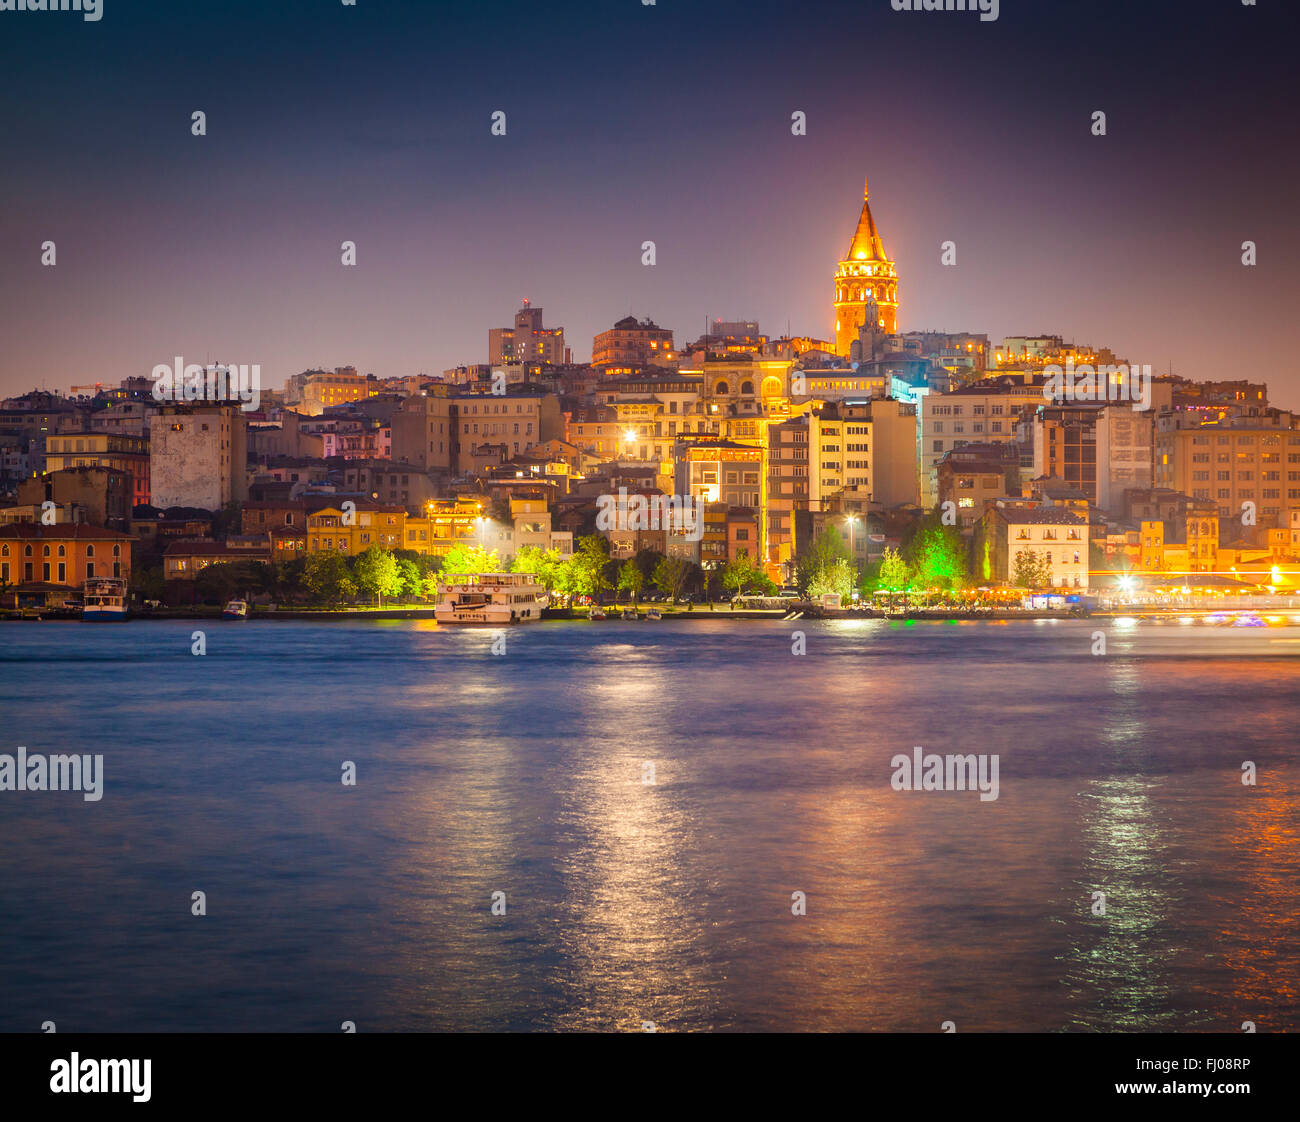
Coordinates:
(864, 274)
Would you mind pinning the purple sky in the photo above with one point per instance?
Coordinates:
(628, 123)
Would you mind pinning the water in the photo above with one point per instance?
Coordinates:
(671, 903)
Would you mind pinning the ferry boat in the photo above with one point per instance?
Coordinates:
(104, 598)
(490, 598)
(235, 609)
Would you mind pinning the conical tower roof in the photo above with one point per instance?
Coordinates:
(866, 245)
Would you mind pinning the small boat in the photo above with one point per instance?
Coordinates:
(596, 612)
(653, 615)
(630, 613)
(104, 598)
(236, 609)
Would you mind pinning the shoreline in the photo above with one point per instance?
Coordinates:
(797, 613)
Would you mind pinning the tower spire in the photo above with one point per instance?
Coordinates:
(866, 284)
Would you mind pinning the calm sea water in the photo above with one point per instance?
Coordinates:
(628, 902)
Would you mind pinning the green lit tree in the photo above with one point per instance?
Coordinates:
(823, 551)
(469, 559)
(835, 577)
(546, 565)
(895, 576)
(376, 572)
(630, 579)
(742, 575)
(587, 566)
(937, 554)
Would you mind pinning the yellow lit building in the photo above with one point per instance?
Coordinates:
(357, 530)
(445, 523)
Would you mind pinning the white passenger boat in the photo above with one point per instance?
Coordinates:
(236, 609)
(490, 598)
(104, 598)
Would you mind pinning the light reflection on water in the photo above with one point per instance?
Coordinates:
(631, 902)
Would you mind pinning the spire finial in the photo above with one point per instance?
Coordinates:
(866, 189)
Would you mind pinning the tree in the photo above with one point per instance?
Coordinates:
(546, 565)
(742, 575)
(215, 582)
(323, 576)
(937, 554)
(630, 579)
(1032, 570)
(470, 559)
(670, 576)
(587, 566)
(409, 574)
(647, 560)
(376, 572)
(287, 578)
(226, 521)
(148, 583)
(822, 552)
(895, 576)
(835, 577)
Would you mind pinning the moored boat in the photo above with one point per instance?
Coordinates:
(653, 615)
(496, 598)
(235, 609)
(103, 599)
(596, 612)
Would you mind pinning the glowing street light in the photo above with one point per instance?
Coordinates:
(850, 522)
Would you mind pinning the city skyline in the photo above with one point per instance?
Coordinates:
(1130, 241)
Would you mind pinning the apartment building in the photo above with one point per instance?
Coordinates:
(1252, 457)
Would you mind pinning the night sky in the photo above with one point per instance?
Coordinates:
(629, 123)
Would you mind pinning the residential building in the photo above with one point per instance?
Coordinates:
(105, 495)
(1057, 536)
(633, 343)
(356, 530)
(527, 340)
(45, 563)
(117, 451)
